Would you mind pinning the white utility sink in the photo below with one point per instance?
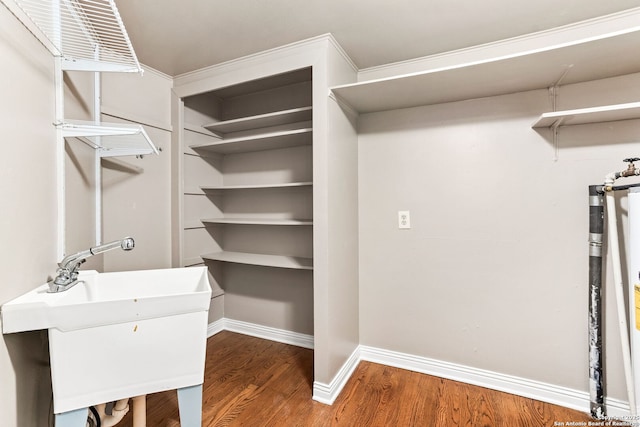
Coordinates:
(119, 335)
(108, 298)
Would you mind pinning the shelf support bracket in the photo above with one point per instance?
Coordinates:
(556, 146)
(553, 94)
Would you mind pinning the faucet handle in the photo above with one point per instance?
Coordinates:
(76, 266)
(128, 243)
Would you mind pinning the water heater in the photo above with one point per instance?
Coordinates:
(634, 283)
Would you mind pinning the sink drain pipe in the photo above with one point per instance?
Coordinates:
(101, 416)
(140, 411)
(119, 410)
(614, 247)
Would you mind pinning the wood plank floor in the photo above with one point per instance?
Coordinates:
(254, 382)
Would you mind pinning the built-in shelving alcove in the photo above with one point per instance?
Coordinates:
(248, 193)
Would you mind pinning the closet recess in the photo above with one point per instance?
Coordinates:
(247, 162)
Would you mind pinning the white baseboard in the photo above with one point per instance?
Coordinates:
(327, 393)
(215, 327)
(260, 331)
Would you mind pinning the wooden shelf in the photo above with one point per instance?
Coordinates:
(191, 224)
(261, 121)
(257, 186)
(606, 113)
(188, 262)
(258, 221)
(260, 142)
(199, 129)
(591, 51)
(277, 261)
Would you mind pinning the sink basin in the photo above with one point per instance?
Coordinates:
(109, 298)
(119, 335)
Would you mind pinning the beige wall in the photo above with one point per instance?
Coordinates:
(136, 203)
(136, 191)
(80, 171)
(28, 214)
(493, 272)
(342, 174)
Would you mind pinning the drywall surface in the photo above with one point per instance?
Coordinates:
(335, 223)
(143, 98)
(137, 203)
(492, 273)
(137, 189)
(80, 205)
(28, 214)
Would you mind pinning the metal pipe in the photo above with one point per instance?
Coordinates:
(119, 410)
(631, 170)
(596, 229)
(622, 187)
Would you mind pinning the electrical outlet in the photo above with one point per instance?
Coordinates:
(404, 219)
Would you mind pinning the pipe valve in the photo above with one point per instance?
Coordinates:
(631, 168)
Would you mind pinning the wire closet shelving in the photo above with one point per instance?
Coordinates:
(87, 35)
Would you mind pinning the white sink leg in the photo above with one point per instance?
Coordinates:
(75, 418)
(190, 406)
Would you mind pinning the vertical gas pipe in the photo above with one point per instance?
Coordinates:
(596, 228)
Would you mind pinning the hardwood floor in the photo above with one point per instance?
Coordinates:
(254, 382)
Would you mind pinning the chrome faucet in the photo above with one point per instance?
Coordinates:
(67, 274)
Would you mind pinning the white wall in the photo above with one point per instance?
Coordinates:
(28, 213)
(493, 272)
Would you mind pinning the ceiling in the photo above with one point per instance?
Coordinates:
(178, 36)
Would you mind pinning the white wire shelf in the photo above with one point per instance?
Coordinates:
(110, 139)
(88, 34)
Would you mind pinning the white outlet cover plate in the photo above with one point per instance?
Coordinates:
(404, 219)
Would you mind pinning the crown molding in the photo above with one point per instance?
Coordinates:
(599, 28)
(308, 50)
